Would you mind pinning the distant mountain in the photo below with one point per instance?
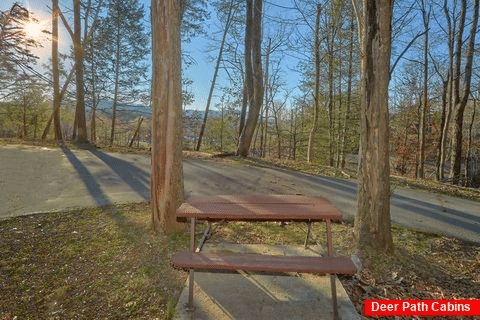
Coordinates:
(125, 112)
(129, 112)
(201, 114)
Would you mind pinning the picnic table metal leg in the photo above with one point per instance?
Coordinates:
(333, 284)
(309, 230)
(206, 236)
(190, 306)
(334, 296)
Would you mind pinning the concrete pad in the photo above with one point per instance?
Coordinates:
(242, 295)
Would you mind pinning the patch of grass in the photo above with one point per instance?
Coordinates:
(438, 187)
(170, 309)
(71, 145)
(273, 233)
(28, 142)
(188, 154)
(88, 263)
(303, 166)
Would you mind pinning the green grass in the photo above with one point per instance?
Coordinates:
(89, 263)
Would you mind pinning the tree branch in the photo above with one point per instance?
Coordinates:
(65, 23)
(406, 49)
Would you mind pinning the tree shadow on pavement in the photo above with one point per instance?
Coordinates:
(416, 209)
(458, 218)
(137, 178)
(93, 187)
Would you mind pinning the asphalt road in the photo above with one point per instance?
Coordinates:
(34, 179)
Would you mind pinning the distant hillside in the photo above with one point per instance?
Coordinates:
(125, 112)
(129, 112)
(201, 114)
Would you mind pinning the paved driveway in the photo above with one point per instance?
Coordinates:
(34, 179)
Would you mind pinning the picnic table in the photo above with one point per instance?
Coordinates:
(256, 208)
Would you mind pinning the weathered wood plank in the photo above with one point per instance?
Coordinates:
(258, 208)
(257, 262)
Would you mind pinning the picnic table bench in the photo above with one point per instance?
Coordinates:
(255, 208)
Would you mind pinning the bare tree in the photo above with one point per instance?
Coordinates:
(372, 220)
(349, 96)
(468, 157)
(124, 53)
(460, 102)
(255, 94)
(277, 107)
(423, 110)
(56, 76)
(264, 118)
(88, 33)
(167, 176)
(212, 86)
(316, 110)
(80, 121)
(248, 78)
(446, 95)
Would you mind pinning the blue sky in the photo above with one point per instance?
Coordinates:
(201, 72)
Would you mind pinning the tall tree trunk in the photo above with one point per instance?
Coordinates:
(243, 112)
(136, 133)
(248, 79)
(56, 76)
(93, 121)
(167, 175)
(439, 168)
(461, 102)
(424, 108)
(24, 116)
(47, 127)
(58, 100)
(221, 131)
(468, 177)
(316, 110)
(81, 124)
(349, 97)
(116, 88)
(331, 115)
(372, 219)
(212, 86)
(93, 124)
(277, 129)
(263, 140)
(35, 126)
(294, 135)
(260, 128)
(445, 129)
(339, 110)
(449, 93)
(257, 96)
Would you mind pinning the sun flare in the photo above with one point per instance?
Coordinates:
(33, 29)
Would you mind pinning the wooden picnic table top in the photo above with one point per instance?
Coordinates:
(258, 208)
